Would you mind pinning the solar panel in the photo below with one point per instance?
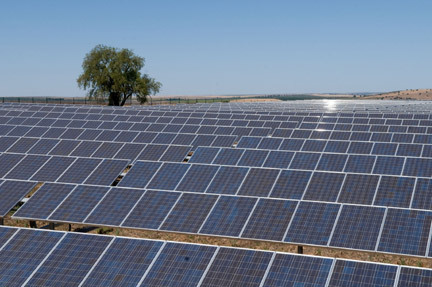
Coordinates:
(130, 151)
(168, 176)
(249, 142)
(270, 143)
(22, 145)
(422, 198)
(409, 150)
(290, 270)
(114, 207)
(237, 267)
(151, 210)
(292, 144)
(228, 216)
(227, 180)
(421, 167)
(354, 273)
(197, 178)
(107, 150)
(89, 134)
(331, 182)
(312, 223)
(228, 156)
(6, 143)
(189, 213)
(337, 146)
(259, 182)
(358, 188)
(79, 203)
(360, 163)
(332, 162)
(394, 191)
(303, 160)
(358, 227)
(389, 165)
(27, 167)
(140, 174)
(164, 138)
(66, 258)
(415, 277)
(384, 149)
(24, 253)
(79, 170)
(278, 159)
(5, 234)
(180, 265)
(11, 192)
(86, 149)
(405, 232)
(107, 172)
(43, 146)
(314, 145)
(145, 137)
(176, 153)
(8, 161)
(44, 201)
(204, 155)
(64, 147)
(291, 184)
(124, 263)
(269, 219)
(253, 158)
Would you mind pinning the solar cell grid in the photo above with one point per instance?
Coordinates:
(176, 153)
(358, 227)
(197, 178)
(27, 167)
(204, 155)
(86, 148)
(107, 171)
(53, 168)
(394, 191)
(23, 145)
(360, 163)
(289, 270)
(332, 162)
(253, 158)
(79, 170)
(312, 223)
(249, 142)
(64, 147)
(259, 182)
(358, 188)
(140, 174)
(237, 267)
(107, 150)
(303, 160)
(11, 192)
(168, 176)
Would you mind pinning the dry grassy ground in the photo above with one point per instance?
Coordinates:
(414, 94)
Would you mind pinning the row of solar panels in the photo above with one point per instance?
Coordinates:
(333, 107)
(48, 258)
(358, 227)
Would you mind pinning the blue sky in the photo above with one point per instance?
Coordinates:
(222, 47)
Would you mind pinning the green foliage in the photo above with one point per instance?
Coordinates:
(114, 74)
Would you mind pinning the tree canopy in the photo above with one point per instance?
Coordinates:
(114, 74)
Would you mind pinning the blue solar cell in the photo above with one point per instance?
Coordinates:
(86, 148)
(71, 263)
(410, 150)
(303, 160)
(64, 147)
(332, 162)
(151, 210)
(184, 139)
(152, 152)
(115, 206)
(337, 146)
(384, 149)
(189, 213)
(354, 273)
(324, 186)
(228, 216)
(54, 133)
(145, 137)
(237, 267)
(402, 138)
(224, 141)
(259, 182)
(291, 270)
(405, 232)
(5, 234)
(27, 167)
(7, 142)
(124, 263)
(11, 192)
(164, 138)
(249, 142)
(253, 158)
(130, 151)
(312, 223)
(8, 161)
(79, 170)
(179, 265)
(269, 219)
(227, 180)
(282, 133)
(204, 155)
(197, 178)
(176, 153)
(344, 136)
(395, 191)
(421, 167)
(278, 159)
(291, 184)
(228, 156)
(203, 140)
(43, 146)
(360, 163)
(168, 176)
(44, 201)
(358, 188)
(107, 172)
(418, 277)
(270, 143)
(389, 165)
(23, 145)
(292, 144)
(24, 253)
(126, 136)
(358, 227)
(314, 145)
(79, 203)
(301, 134)
(89, 134)
(107, 150)
(423, 194)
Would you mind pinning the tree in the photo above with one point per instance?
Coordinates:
(114, 74)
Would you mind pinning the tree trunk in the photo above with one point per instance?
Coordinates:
(114, 99)
(125, 97)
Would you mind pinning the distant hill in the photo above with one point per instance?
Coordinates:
(413, 94)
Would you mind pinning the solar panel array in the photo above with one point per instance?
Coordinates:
(341, 174)
(30, 257)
